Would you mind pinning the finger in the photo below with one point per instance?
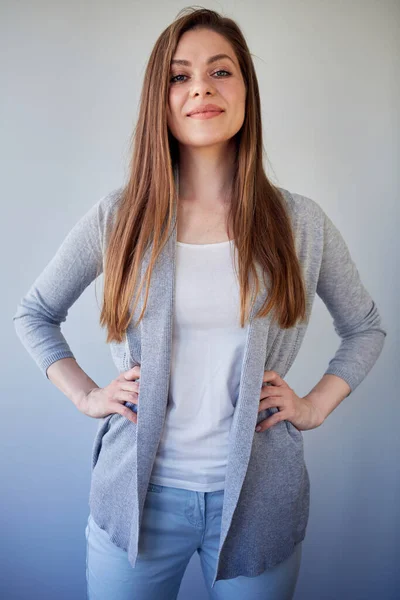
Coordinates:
(270, 422)
(130, 386)
(127, 397)
(270, 391)
(133, 407)
(127, 412)
(273, 378)
(271, 403)
(133, 373)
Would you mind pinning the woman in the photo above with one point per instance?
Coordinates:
(210, 273)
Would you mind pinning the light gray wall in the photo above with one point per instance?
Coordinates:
(71, 74)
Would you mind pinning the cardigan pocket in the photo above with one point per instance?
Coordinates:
(294, 433)
(112, 425)
(104, 426)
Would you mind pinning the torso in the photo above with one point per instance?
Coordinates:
(196, 225)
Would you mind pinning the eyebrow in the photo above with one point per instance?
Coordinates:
(210, 60)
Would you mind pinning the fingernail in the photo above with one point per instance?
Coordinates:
(258, 428)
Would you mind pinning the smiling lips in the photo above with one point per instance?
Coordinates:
(206, 115)
(208, 111)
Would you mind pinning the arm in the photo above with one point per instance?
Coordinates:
(77, 262)
(355, 318)
(326, 395)
(70, 379)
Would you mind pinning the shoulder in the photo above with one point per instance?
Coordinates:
(100, 218)
(107, 207)
(302, 208)
(109, 203)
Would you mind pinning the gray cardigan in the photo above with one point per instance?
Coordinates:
(267, 486)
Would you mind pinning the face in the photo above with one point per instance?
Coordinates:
(199, 82)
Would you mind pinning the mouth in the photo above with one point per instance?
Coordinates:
(208, 114)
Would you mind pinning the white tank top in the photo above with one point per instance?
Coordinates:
(207, 353)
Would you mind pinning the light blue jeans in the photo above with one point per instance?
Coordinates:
(176, 523)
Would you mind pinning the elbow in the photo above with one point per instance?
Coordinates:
(370, 322)
(373, 321)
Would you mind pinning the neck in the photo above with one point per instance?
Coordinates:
(206, 175)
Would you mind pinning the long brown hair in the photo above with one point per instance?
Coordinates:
(259, 221)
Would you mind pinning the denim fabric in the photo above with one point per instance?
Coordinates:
(176, 523)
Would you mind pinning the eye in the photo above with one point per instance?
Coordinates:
(174, 78)
(222, 71)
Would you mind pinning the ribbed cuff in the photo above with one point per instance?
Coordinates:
(44, 364)
(344, 374)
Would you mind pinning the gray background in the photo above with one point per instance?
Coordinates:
(71, 75)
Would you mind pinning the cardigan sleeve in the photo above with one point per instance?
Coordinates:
(356, 318)
(77, 262)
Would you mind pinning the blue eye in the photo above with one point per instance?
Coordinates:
(174, 78)
(221, 71)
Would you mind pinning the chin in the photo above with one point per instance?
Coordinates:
(205, 140)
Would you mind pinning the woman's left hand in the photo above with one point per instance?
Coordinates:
(299, 411)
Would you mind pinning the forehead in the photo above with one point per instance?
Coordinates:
(200, 46)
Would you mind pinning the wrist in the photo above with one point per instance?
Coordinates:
(317, 415)
(81, 398)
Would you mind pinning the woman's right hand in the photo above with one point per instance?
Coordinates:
(100, 402)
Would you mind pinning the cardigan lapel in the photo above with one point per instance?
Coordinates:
(156, 340)
(245, 415)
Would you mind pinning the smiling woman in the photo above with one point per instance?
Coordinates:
(210, 273)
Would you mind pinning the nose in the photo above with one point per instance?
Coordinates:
(202, 87)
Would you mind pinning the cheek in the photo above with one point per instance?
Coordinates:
(238, 92)
(174, 101)
(170, 114)
(236, 100)
(234, 93)
(174, 113)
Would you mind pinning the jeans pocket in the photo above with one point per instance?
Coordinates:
(152, 487)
